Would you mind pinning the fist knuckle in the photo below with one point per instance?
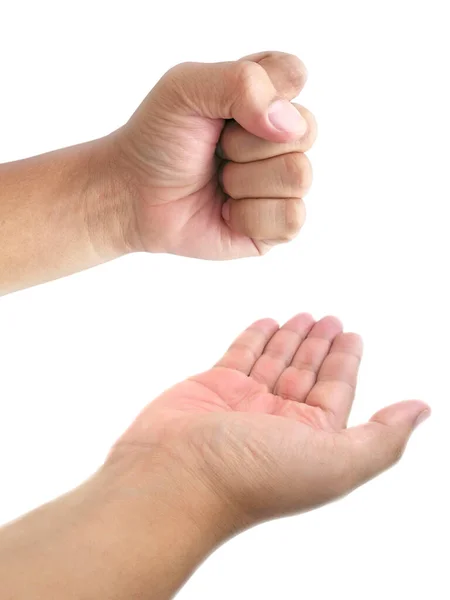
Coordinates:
(293, 164)
(295, 69)
(245, 73)
(290, 233)
(294, 219)
(297, 173)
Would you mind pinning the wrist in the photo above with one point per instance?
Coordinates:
(128, 532)
(148, 482)
(162, 519)
(108, 202)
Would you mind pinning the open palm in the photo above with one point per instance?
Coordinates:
(267, 424)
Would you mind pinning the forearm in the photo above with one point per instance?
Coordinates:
(60, 213)
(109, 540)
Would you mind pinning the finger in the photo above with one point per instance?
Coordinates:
(285, 176)
(240, 90)
(298, 379)
(238, 145)
(287, 72)
(267, 219)
(334, 390)
(280, 350)
(247, 348)
(374, 447)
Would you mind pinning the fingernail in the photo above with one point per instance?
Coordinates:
(422, 417)
(285, 117)
(226, 211)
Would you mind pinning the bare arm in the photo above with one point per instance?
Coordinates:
(60, 213)
(110, 540)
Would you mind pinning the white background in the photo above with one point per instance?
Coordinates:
(79, 357)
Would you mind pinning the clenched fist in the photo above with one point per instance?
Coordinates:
(213, 160)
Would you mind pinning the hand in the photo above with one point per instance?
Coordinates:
(261, 434)
(265, 429)
(179, 186)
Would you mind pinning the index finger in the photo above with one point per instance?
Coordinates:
(286, 71)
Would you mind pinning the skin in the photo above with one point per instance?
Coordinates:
(260, 435)
(157, 183)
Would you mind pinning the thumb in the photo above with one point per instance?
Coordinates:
(380, 443)
(242, 90)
